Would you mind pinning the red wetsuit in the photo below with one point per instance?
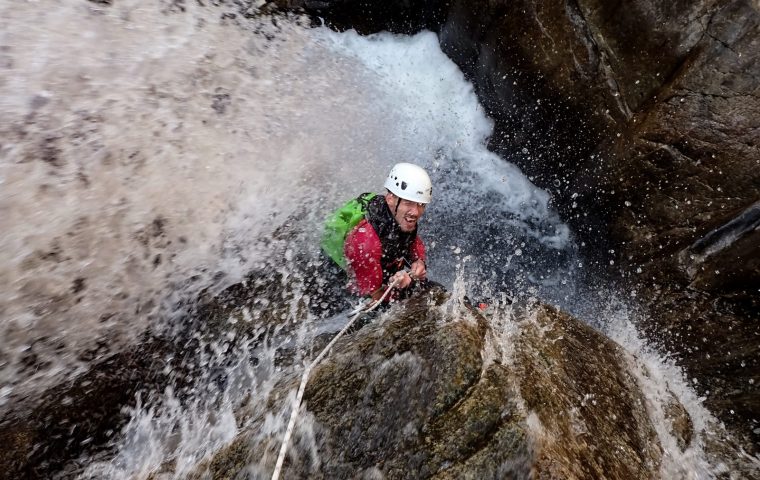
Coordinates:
(364, 255)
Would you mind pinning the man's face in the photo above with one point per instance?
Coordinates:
(408, 212)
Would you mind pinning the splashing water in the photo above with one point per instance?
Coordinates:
(143, 150)
(149, 152)
(143, 161)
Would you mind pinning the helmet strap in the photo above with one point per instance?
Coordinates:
(398, 202)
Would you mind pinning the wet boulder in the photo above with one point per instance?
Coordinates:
(588, 415)
(433, 389)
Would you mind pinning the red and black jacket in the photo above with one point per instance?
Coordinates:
(377, 248)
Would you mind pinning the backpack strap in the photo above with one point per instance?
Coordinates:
(364, 199)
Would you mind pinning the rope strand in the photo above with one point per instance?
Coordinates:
(305, 377)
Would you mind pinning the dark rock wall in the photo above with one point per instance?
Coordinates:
(691, 161)
(634, 107)
(541, 120)
(680, 187)
(370, 16)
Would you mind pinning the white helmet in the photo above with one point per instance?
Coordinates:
(410, 182)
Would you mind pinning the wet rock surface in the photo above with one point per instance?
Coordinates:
(593, 418)
(81, 415)
(679, 185)
(429, 389)
(413, 395)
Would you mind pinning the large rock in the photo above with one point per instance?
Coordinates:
(431, 391)
(594, 419)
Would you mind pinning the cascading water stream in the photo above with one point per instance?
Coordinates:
(153, 152)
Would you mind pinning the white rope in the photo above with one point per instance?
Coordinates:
(305, 377)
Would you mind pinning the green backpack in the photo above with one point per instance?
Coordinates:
(340, 223)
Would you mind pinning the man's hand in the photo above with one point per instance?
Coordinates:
(418, 270)
(403, 278)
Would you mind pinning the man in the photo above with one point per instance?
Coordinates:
(378, 249)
